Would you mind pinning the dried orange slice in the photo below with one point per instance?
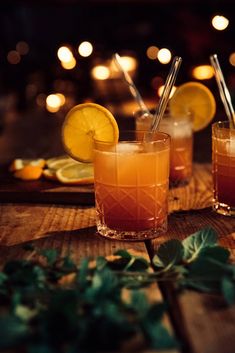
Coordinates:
(196, 98)
(84, 123)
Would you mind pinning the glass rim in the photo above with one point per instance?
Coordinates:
(223, 124)
(178, 119)
(166, 136)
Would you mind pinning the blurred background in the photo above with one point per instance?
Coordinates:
(58, 53)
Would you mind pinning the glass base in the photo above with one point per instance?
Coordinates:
(109, 233)
(223, 208)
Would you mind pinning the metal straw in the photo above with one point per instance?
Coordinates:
(223, 90)
(134, 91)
(166, 93)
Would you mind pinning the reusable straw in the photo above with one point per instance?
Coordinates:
(134, 91)
(166, 93)
(223, 90)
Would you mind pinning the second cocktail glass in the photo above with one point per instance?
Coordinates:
(131, 186)
(223, 167)
(181, 132)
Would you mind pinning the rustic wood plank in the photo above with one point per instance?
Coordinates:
(203, 321)
(197, 194)
(66, 228)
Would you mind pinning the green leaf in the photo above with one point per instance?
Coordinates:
(215, 252)
(13, 331)
(51, 255)
(24, 312)
(3, 278)
(123, 253)
(101, 262)
(194, 244)
(157, 335)
(169, 254)
(131, 262)
(68, 264)
(139, 302)
(205, 274)
(228, 289)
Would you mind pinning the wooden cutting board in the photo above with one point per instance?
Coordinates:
(43, 191)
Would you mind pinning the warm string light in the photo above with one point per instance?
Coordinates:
(220, 22)
(164, 56)
(203, 72)
(85, 49)
(54, 102)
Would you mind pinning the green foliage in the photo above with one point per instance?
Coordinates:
(54, 306)
(198, 263)
(43, 309)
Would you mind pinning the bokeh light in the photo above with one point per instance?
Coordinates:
(100, 72)
(220, 22)
(164, 56)
(13, 57)
(85, 49)
(22, 48)
(53, 103)
(152, 52)
(69, 65)
(64, 54)
(232, 59)
(203, 72)
(129, 63)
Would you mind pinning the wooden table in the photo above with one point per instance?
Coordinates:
(199, 320)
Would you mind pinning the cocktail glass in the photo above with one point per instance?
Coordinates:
(223, 168)
(131, 186)
(181, 155)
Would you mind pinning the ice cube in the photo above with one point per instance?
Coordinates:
(176, 129)
(127, 148)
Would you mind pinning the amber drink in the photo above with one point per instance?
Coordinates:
(223, 168)
(131, 186)
(181, 154)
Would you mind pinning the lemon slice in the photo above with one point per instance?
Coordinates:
(80, 173)
(84, 123)
(57, 162)
(196, 98)
(49, 174)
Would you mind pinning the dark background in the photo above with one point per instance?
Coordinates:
(111, 26)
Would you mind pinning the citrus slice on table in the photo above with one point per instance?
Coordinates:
(85, 123)
(20, 163)
(195, 98)
(75, 174)
(29, 172)
(58, 162)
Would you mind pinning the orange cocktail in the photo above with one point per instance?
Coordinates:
(223, 168)
(181, 155)
(131, 187)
